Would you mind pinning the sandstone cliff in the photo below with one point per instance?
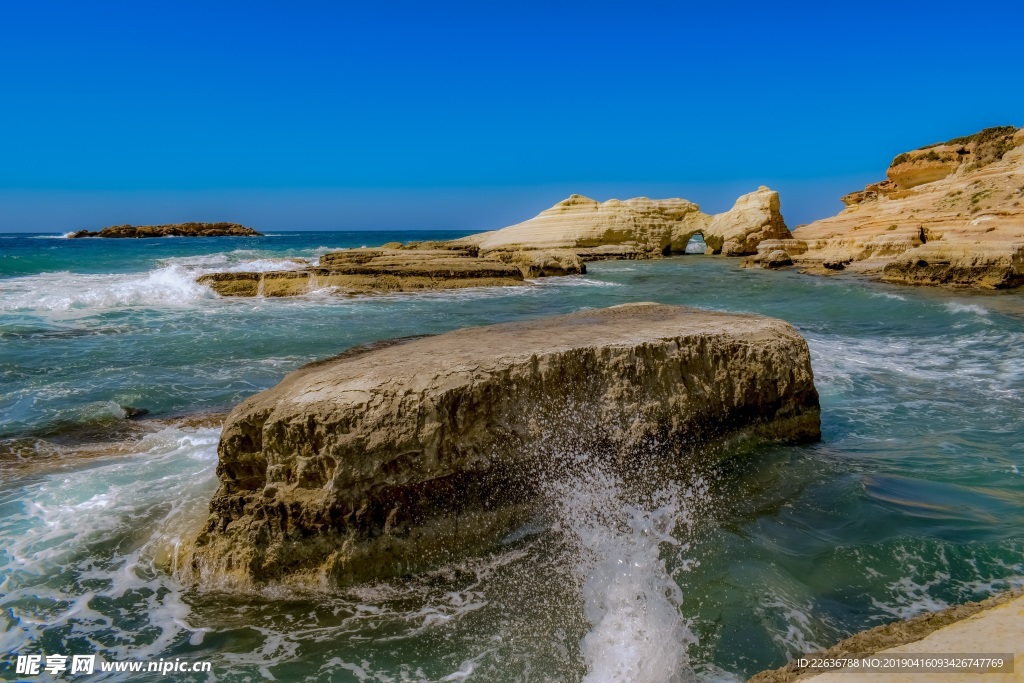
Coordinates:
(641, 227)
(391, 460)
(172, 230)
(948, 214)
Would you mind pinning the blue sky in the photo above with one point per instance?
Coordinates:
(320, 115)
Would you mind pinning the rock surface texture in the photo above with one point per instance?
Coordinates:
(386, 461)
(949, 214)
(172, 230)
(556, 242)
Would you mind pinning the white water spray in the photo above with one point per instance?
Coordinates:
(630, 599)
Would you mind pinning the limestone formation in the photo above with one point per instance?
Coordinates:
(641, 227)
(556, 242)
(754, 217)
(390, 460)
(949, 214)
(172, 230)
(935, 162)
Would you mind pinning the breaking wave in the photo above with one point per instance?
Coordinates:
(173, 285)
(955, 307)
(69, 292)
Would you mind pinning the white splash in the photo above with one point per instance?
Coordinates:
(630, 599)
(65, 294)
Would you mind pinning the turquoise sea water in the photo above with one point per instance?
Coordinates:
(913, 500)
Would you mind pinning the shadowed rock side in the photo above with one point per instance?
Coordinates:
(949, 214)
(172, 230)
(556, 242)
(390, 461)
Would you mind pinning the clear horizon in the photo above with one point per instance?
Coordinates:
(325, 117)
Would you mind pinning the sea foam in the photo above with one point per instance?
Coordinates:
(81, 545)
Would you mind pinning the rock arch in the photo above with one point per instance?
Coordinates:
(648, 227)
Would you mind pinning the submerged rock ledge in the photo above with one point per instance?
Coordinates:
(388, 461)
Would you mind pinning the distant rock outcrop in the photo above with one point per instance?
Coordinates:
(948, 214)
(391, 460)
(172, 230)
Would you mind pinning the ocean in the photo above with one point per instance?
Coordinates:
(912, 501)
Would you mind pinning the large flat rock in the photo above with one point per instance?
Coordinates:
(388, 460)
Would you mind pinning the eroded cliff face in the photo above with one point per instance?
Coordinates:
(949, 214)
(959, 155)
(396, 459)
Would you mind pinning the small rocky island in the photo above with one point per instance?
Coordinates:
(171, 230)
(393, 459)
